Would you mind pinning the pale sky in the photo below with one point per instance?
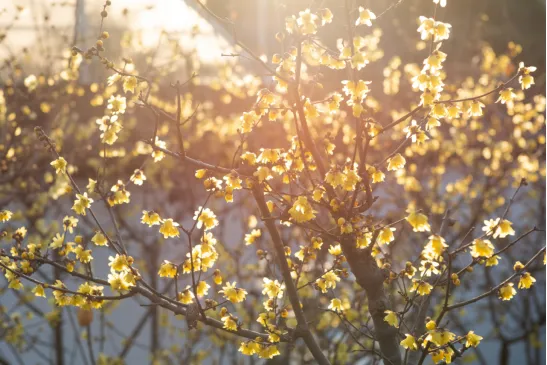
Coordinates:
(173, 16)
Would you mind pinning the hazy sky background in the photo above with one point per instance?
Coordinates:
(172, 15)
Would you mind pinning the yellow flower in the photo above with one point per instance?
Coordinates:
(431, 325)
(99, 239)
(39, 291)
(268, 155)
(229, 194)
(526, 281)
(386, 235)
(117, 104)
(426, 28)
(472, 340)
(57, 241)
(391, 318)
(351, 179)
(439, 110)
(167, 270)
(326, 16)
(336, 305)
(151, 218)
(203, 256)
(263, 173)
(507, 292)
(202, 289)
(317, 243)
(268, 352)
(233, 294)
(307, 22)
(120, 196)
(118, 263)
(301, 210)
(21, 232)
(169, 228)
(250, 238)
(490, 226)
(110, 126)
(205, 217)
(329, 146)
(82, 255)
(70, 223)
(229, 322)
(518, 266)
(482, 248)
(249, 157)
(31, 82)
(418, 221)
(217, 277)
(506, 96)
(15, 284)
(157, 154)
(504, 229)
(357, 92)
(409, 342)
(422, 287)
(273, 289)
(327, 281)
(82, 203)
(442, 3)
(249, 348)
(475, 109)
(318, 194)
(363, 240)
(435, 247)
(335, 177)
(186, 296)
(200, 173)
(138, 177)
(335, 250)
(345, 227)
(91, 186)
(112, 79)
(434, 63)
(428, 97)
(248, 120)
(5, 215)
(358, 61)
(438, 355)
(119, 281)
(440, 337)
(396, 162)
(378, 176)
(492, 261)
(453, 111)
(525, 79)
(441, 31)
(365, 17)
(129, 83)
(59, 165)
(233, 181)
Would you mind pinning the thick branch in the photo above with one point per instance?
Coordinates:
(371, 278)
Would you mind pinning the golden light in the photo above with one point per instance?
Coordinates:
(28, 22)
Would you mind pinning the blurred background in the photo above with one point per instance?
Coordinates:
(169, 40)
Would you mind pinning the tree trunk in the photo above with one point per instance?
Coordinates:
(371, 278)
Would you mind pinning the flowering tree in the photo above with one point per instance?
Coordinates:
(373, 225)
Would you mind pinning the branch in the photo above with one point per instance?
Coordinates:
(302, 327)
(497, 287)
